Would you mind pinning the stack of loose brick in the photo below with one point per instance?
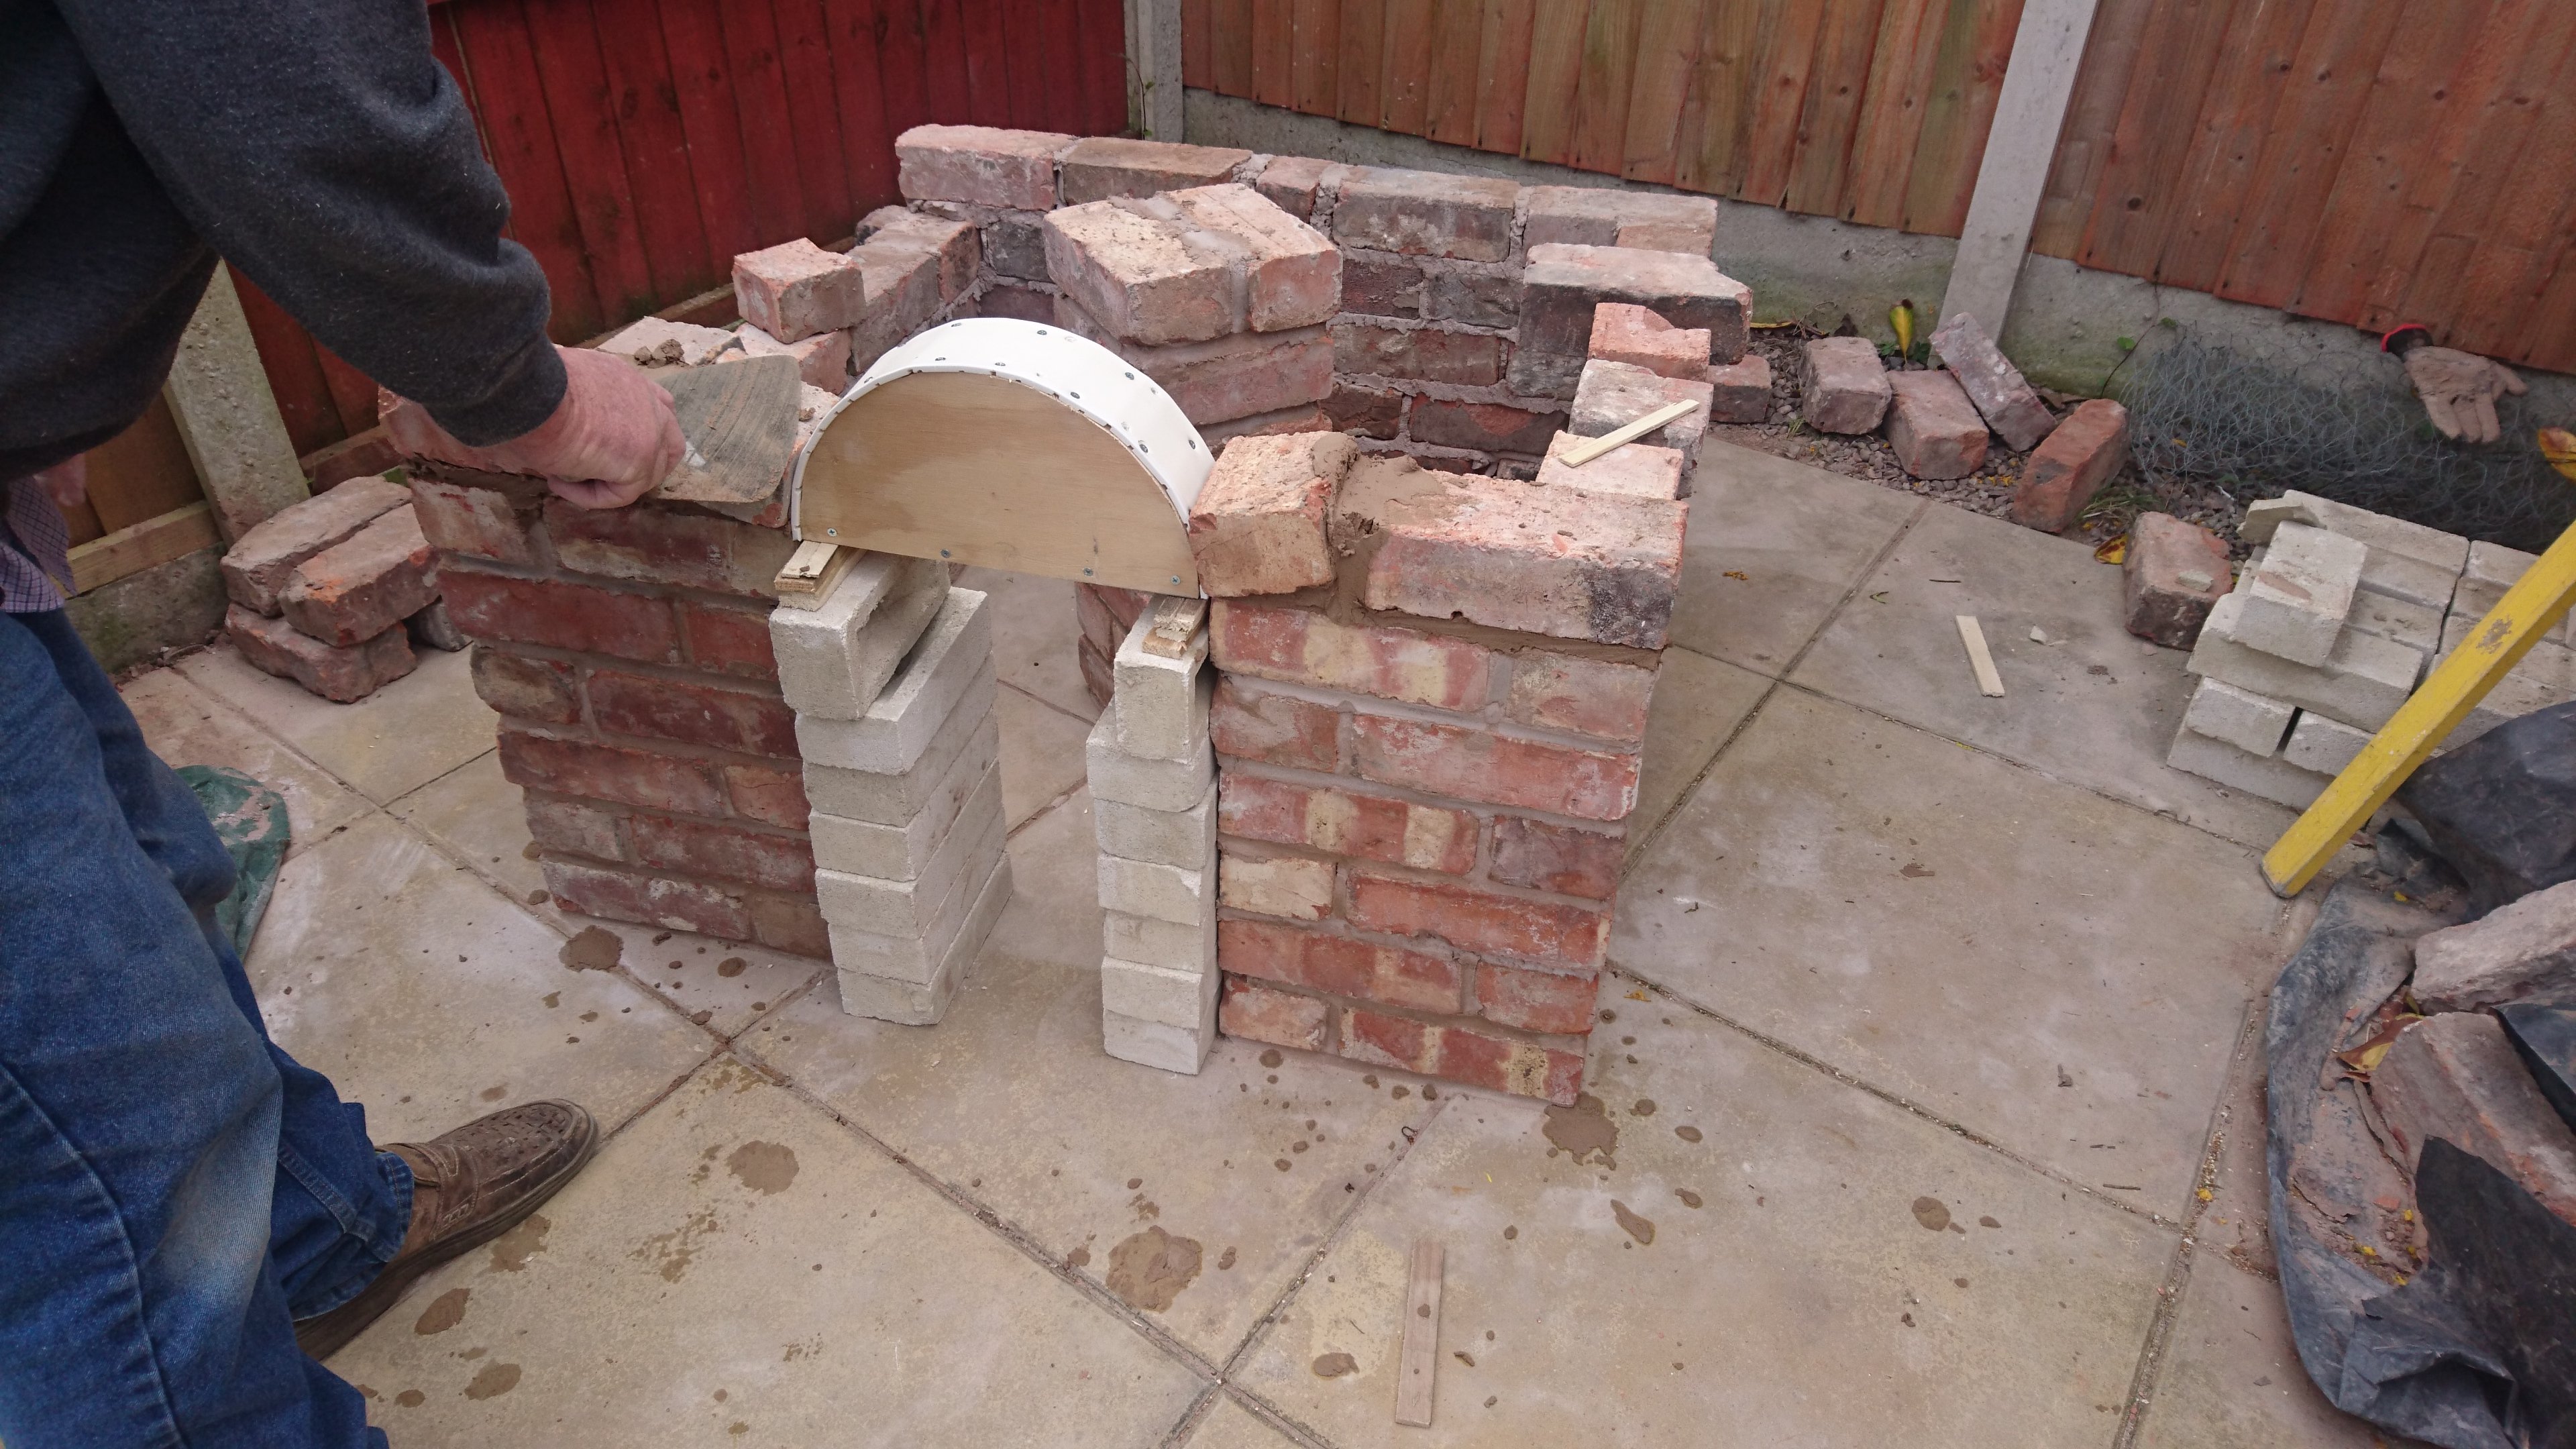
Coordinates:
(2333, 622)
(334, 591)
(1153, 801)
(1427, 728)
(836, 313)
(891, 678)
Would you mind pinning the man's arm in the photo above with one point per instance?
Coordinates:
(320, 147)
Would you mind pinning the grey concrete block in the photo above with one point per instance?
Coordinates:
(2400, 621)
(923, 1003)
(1152, 1044)
(1161, 704)
(1159, 994)
(2377, 530)
(902, 852)
(2275, 780)
(908, 908)
(2492, 569)
(2318, 743)
(1149, 784)
(2545, 676)
(1184, 838)
(2295, 603)
(971, 729)
(834, 661)
(2361, 684)
(967, 916)
(1162, 892)
(2249, 721)
(1180, 946)
(897, 728)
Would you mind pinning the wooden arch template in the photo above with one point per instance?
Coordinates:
(1010, 444)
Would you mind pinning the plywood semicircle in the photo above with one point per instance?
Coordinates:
(1013, 445)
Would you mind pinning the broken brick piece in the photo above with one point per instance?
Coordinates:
(1257, 525)
(260, 563)
(341, 675)
(795, 289)
(985, 165)
(2456, 1076)
(1846, 388)
(1625, 332)
(1934, 429)
(359, 588)
(2173, 573)
(2083, 453)
(822, 360)
(1741, 391)
(2002, 397)
(1096, 168)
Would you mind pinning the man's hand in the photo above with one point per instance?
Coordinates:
(612, 439)
(67, 482)
(2459, 390)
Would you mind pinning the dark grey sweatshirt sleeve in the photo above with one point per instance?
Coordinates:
(322, 149)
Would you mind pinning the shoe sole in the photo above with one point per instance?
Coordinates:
(328, 1333)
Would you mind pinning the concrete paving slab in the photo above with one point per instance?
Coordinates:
(2095, 705)
(1034, 636)
(476, 813)
(1798, 536)
(185, 725)
(430, 998)
(1698, 702)
(733, 983)
(2048, 967)
(1230, 1425)
(1041, 753)
(385, 746)
(1011, 1101)
(2232, 1377)
(1741, 1241)
(736, 1268)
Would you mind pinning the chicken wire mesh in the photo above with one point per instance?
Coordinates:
(2257, 428)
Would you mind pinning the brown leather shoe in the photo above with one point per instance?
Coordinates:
(468, 1187)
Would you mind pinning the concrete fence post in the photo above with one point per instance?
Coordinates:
(220, 398)
(2047, 51)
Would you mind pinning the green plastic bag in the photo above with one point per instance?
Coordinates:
(251, 818)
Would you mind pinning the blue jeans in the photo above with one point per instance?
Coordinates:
(174, 1190)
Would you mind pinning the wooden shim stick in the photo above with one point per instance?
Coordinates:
(1175, 620)
(811, 571)
(1419, 1366)
(1989, 683)
(1585, 452)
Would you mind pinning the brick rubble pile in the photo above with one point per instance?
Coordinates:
(335, 591)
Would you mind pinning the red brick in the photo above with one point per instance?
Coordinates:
(1536, 1000)
(1340, 965)
(660, 544)
(1537, 933)
(1741, 391)
(1562, 284)
(1257, 1013)
(560, 615)
(1560, 561)
(1098, 622)
(1257, 525)
(676, 905)
(1594, 697)
(1638, 469)
(1595, 216)
(480, 521)
(1656, 236)
(1383, 286)
(365, 584)
(1461, 1054)
(1625, 332)
(335, 673)
(610, 772)
(1099, 676)
(1932, 427)
(1465, 763)
(1300, 646)
(1137, 276)
(1557, 858)
(1292, 276)
(1367, 412)
(525, 688)
(1484, 427)
(1124, 605)
(696, 714)
(579, 827)
(793, 924)
(2071, 465)
(1426, 213)
(1234, 375)
(1844, 387)
(981, 164)
(1374, 827)
(822, 360)
(260, 564)
(958, 245)
(2456, 1076)
(727, 852)
(2002, 397)
(1468, 359)
(796, 289)
(1096, 168)
(735, 641)
(2173, 574)
(1302, 418)
(1028, 304)
(1274, 728)
(773, 797)
(362, 455)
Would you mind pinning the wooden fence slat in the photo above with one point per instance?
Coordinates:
(2421, 105)
(1363, 67)
(1831, 112)
(2513, 262)
(1955, 124)
(867, 145)
(768, 128)
(943, 60)
(565, 38)
(814, 112)
(1502, 73)
(1456, 30)
(2199, 205)
(2549, 335)
(2142, 180)
(1601, 88)
(988, 67)
(1315, 43)
(1274, 59)
(643, 99)
(2331, 80)
(2092, 117)
(353, 393)
(1771, 136)
(1198, 44)
(1233, 40)
(711, 127)
(1710, 146)
(1021, 47)
(1891, 114)
(1556, 67)
(494, 37)
(293, 363)
(1104, 51)
(1403, 89)
(1667, 47)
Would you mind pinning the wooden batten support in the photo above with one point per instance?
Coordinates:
(811, 571)
(1175, 620)
(148, 544)
(1418, 1366)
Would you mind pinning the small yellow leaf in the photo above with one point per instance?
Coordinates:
(2368, 1251)
(2205, 1194)
(1637, 996)
(2401, 896)
(2113, 550)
